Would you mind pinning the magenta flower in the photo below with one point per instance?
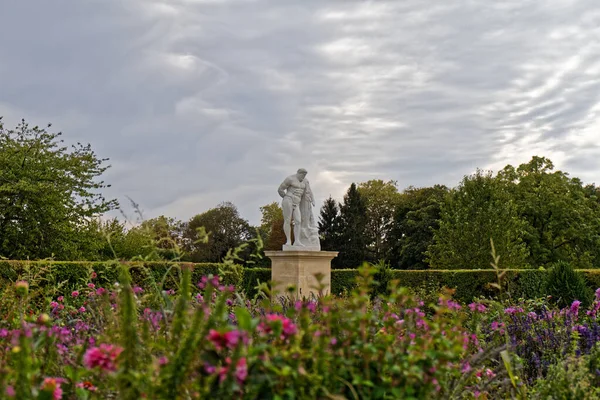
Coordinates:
(104, 356)
(100, 291)
(91, 286)
(288, 326)
(81, 309)
(61, 298)
(53, 385)
(241, 370)
(137, 290)
(10, 391)
(575, 307)
(223, 340)
(75, 293)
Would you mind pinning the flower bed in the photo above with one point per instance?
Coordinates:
(206, 340)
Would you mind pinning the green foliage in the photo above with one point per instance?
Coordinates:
(565, 285)
(562, 217)
(228, 347)
(49, 194)
(382, 278)
(226, 230)
(575, 378)
(416, 219)
(353, 222)
(343, 281)
(271, 226)
(380, 199)
(480, 209)
(329, 225)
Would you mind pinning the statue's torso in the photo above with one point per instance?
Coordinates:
(296, 189)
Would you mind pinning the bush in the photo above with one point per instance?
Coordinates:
(565, 285)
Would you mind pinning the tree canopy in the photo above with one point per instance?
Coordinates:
(49, 193)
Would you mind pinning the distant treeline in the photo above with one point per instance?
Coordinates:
(50, 200)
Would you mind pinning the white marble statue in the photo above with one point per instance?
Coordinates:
(297, 205)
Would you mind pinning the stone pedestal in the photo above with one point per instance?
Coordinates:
(298, 268)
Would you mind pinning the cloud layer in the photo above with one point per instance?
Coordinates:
(201, 101)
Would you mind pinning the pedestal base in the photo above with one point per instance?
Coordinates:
(298, 268)
(287, 247)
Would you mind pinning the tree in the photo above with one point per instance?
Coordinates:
(226, 230)
(416, 219)
(329, 225)
(48, 193)
(480, 209)
(380, 199)
(353, 223)
(271, 226)
(561, 215)
(167, 236)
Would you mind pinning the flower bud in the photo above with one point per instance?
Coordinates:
(22, 288)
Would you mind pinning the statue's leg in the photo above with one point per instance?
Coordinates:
(286, 206)
(297, 226)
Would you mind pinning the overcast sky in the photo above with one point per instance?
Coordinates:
(201, 101)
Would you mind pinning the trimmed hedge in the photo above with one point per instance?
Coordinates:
(469, 284)
(64, 276)
(60, 277)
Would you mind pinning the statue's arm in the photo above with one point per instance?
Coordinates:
(283, 187)
(309, 194)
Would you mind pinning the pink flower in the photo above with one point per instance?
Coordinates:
(104, 356)
(137, 290)
(241, 370)
(53, 385)
(61, 298)
(91, 285)
(100, 291)
(489, 373)
(575, 307)
(223, 340)
(532, 315)
(53, 304)
(513, 310)
(75, 293)
(94, 275)
(10, 391)
(288, 326)
(81, 309)
(87, 385)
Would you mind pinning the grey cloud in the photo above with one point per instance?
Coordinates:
(202, 101)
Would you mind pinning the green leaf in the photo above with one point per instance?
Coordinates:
(244, 318)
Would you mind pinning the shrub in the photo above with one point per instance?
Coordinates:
(565, 285)
(573, 378)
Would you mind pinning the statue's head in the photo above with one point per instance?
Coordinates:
(301, 174)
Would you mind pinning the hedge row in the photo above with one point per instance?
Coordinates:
(61, 277)
(469, 284)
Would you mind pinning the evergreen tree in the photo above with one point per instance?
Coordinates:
(353, 223)
(329, 225)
